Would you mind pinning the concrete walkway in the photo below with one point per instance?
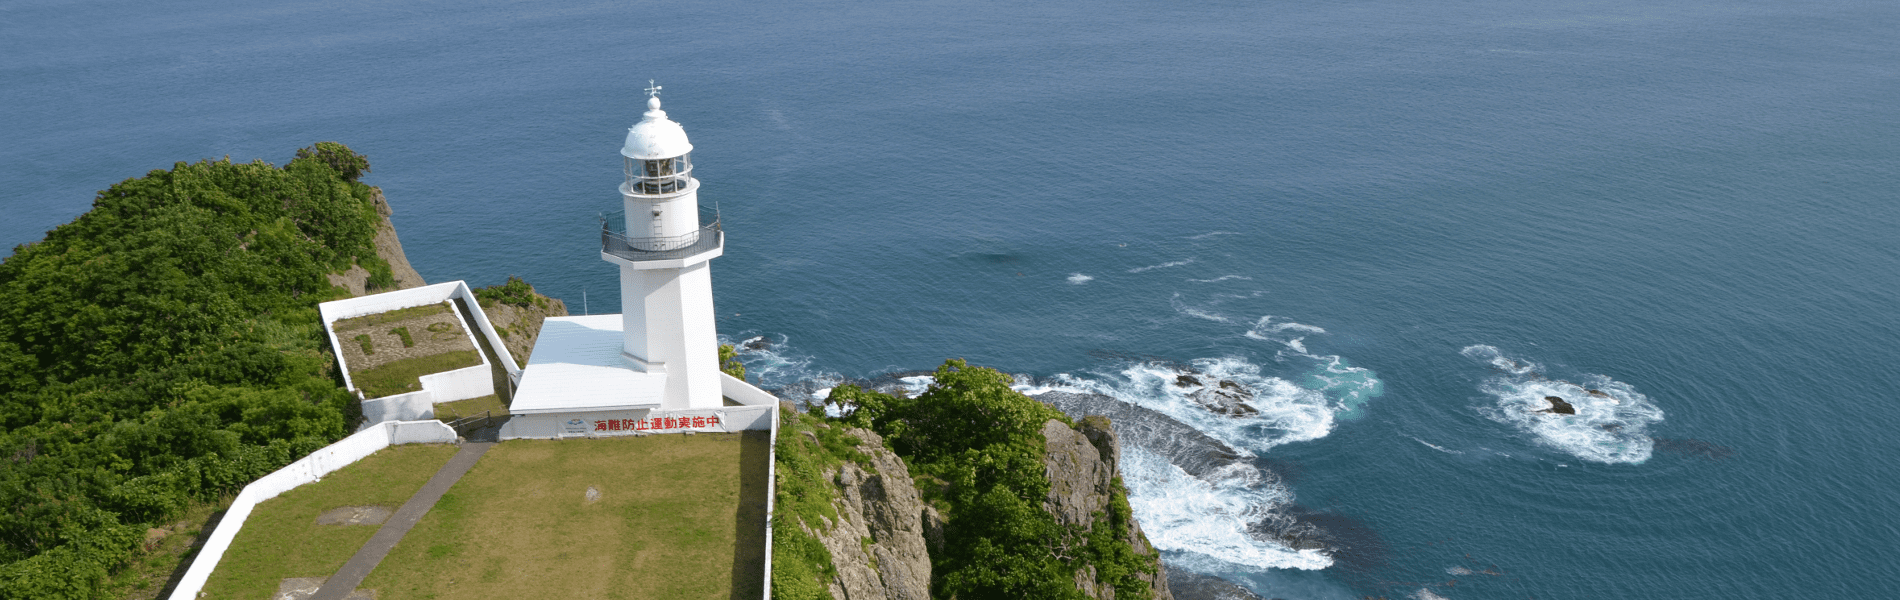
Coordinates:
(339, 586)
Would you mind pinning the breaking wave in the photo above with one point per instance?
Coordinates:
(1162, 265)
(1211, 515)
(1079, 279)
(1222, 278)
(1611, 420)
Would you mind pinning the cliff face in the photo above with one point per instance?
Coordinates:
(877, 543)
(881, 541)
(388, 248)
(1082, 465)
(520, 325)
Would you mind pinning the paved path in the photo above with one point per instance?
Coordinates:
(339, 586)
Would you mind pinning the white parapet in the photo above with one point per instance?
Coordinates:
(437, 388)
(310, 468)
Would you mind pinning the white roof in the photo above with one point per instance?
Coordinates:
(656, 136)
(577, 366)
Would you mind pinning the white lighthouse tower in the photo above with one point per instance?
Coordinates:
(664, 255)
(653, 368)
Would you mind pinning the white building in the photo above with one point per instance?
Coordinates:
(658, 358)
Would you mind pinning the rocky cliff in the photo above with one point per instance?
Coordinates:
(388, 248)
(1083, 465)
(878, 541)
(881, 541)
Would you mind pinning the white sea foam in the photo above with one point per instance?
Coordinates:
(1426, 594)
(1162, 265)
(779, 366)
(1610, 424)
(1182, 307)
(1351, 386)
(1212, 234)
(916, 385)
(1181, 512)
(1435, 446)
(1222, 278)
(1079, 279)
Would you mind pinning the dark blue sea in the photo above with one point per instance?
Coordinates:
(1399, 225)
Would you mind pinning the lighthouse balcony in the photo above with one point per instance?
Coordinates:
(662, 252)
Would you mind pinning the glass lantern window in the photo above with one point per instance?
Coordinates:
(659, 176)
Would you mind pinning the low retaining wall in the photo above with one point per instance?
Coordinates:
(307, 469)
(413, 406)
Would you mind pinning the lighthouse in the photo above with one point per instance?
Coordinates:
(654, 367)
(664, 252)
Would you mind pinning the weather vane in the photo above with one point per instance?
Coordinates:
(652, 90)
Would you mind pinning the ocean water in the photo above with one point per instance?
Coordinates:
(1397, 225)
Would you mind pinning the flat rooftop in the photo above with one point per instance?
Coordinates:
(577, 366)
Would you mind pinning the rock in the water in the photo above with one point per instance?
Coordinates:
(1229, 398)
(756, 343)
(1186, 381)
(1559, 407)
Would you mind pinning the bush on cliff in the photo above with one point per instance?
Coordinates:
(971, 430)
(164, 348)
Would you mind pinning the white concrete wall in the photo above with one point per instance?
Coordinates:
(771, 495)
(449, 386)
(305, 470)
(744, 393)
(413, 406)
(636, 422)
(460, 384)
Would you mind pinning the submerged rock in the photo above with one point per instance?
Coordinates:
(756, 343)
(1229, 398)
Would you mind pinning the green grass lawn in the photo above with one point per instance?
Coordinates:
(450, 411)
(402, 376)
(281, 538)
(677, 517)
(393, 316)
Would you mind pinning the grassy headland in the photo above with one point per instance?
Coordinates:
(164, 349)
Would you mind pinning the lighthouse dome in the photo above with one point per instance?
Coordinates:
(655, 136)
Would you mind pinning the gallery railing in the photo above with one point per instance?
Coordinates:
(660, 248)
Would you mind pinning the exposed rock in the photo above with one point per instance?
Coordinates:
(877, 543)
(388, 248)
(1082, 464)
(522, 324)
(1186, 381)
(1080, 481)
(1559, 407)
(1188, 585)
(1229, 398)
(756, 343)
(1187, 447)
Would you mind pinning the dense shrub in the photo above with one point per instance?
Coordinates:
(515, 291)
(164, 348)
(729, 362)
